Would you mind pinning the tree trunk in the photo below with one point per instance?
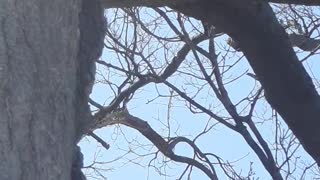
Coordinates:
(41, 88)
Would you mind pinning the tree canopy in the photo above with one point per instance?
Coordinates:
(193, 50)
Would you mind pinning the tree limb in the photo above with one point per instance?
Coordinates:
(288, 87)
(297, 2)
(146, 3)
(161, 3)
(166, 147)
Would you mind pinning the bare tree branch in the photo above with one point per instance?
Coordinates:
(138, 64)
(268, 49)
(101, 141)
(123, 117)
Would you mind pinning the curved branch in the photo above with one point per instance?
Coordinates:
(146, 79)
(123, 117)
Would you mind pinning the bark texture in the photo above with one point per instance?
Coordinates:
(43, 86)
(288, 87)
(77, 164)
(38, 83)
(92, 31)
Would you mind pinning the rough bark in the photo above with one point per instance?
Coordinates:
(92, 31)
(77, 165)
(288, 87)
(43, 86)
(38, 83)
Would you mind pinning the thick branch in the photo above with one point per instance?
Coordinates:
(161, 3)
(146, 3)
(297, 2)
(288, 87)
(123, 117)
(305, 43)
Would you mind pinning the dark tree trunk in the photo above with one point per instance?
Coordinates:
(42, 87)
(288, 88)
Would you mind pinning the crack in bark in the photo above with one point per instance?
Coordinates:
(31, 122)
(4, 79)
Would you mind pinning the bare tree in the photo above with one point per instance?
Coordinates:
(267, 47)
(46, 69)
(198, 69)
